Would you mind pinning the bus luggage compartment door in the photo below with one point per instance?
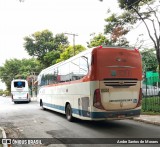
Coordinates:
(83, 106)
(118, 96)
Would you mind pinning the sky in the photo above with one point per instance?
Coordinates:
(20, 19)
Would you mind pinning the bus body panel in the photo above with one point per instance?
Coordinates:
(112, 103)
(110, 63)
(56, 97)
(119, 97)
(20, 90)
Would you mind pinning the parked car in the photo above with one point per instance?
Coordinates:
(148, 90)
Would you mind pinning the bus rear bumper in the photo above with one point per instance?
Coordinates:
(115, 115)
(20, 100)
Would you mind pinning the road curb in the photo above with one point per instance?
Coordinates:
(3, 136)
(147, 121)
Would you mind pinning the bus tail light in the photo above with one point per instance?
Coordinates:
(97, 99)
(140, 98)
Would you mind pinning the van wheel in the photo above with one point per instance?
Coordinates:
(69, 113)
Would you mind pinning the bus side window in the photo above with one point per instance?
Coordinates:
(55, 76)
(74, 69)
(63, 73)
(43, 80)
(84, 67)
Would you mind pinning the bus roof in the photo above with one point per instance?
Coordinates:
(19, 80)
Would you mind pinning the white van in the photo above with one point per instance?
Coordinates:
(20, 91)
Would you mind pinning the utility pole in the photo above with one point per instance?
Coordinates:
(73, 40)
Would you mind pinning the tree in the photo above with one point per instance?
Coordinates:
(147, 13)
(15, 68)
(69, 52)
(50, 58)
(116, 28)
(1, 92)
(41, 43)
(97, 40)
(149, 60)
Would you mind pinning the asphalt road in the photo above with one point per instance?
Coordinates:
(28, 120)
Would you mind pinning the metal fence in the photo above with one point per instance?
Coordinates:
(151, 92)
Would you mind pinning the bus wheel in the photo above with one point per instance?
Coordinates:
(69, 113)
(41, 104)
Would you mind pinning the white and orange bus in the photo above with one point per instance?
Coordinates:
(97, 84)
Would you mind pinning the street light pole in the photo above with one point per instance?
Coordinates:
(73, 40)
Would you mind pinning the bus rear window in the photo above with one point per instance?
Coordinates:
(19, 84)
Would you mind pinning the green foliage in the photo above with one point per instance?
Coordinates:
(1, 92)
(41, 43)
(15, 68)
(69, 52)
(117, 27)
(50, 58)
(60, 42)
(97, 41)
(145, 11)
(149, 60)
(135, 8)
(129, 4)
(5, 92)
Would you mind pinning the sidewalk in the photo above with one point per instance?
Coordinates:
(151, 119)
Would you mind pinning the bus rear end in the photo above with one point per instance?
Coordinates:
(20, 91)
(116, 83)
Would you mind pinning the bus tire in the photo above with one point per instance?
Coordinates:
(69, 113)
(41, 104)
